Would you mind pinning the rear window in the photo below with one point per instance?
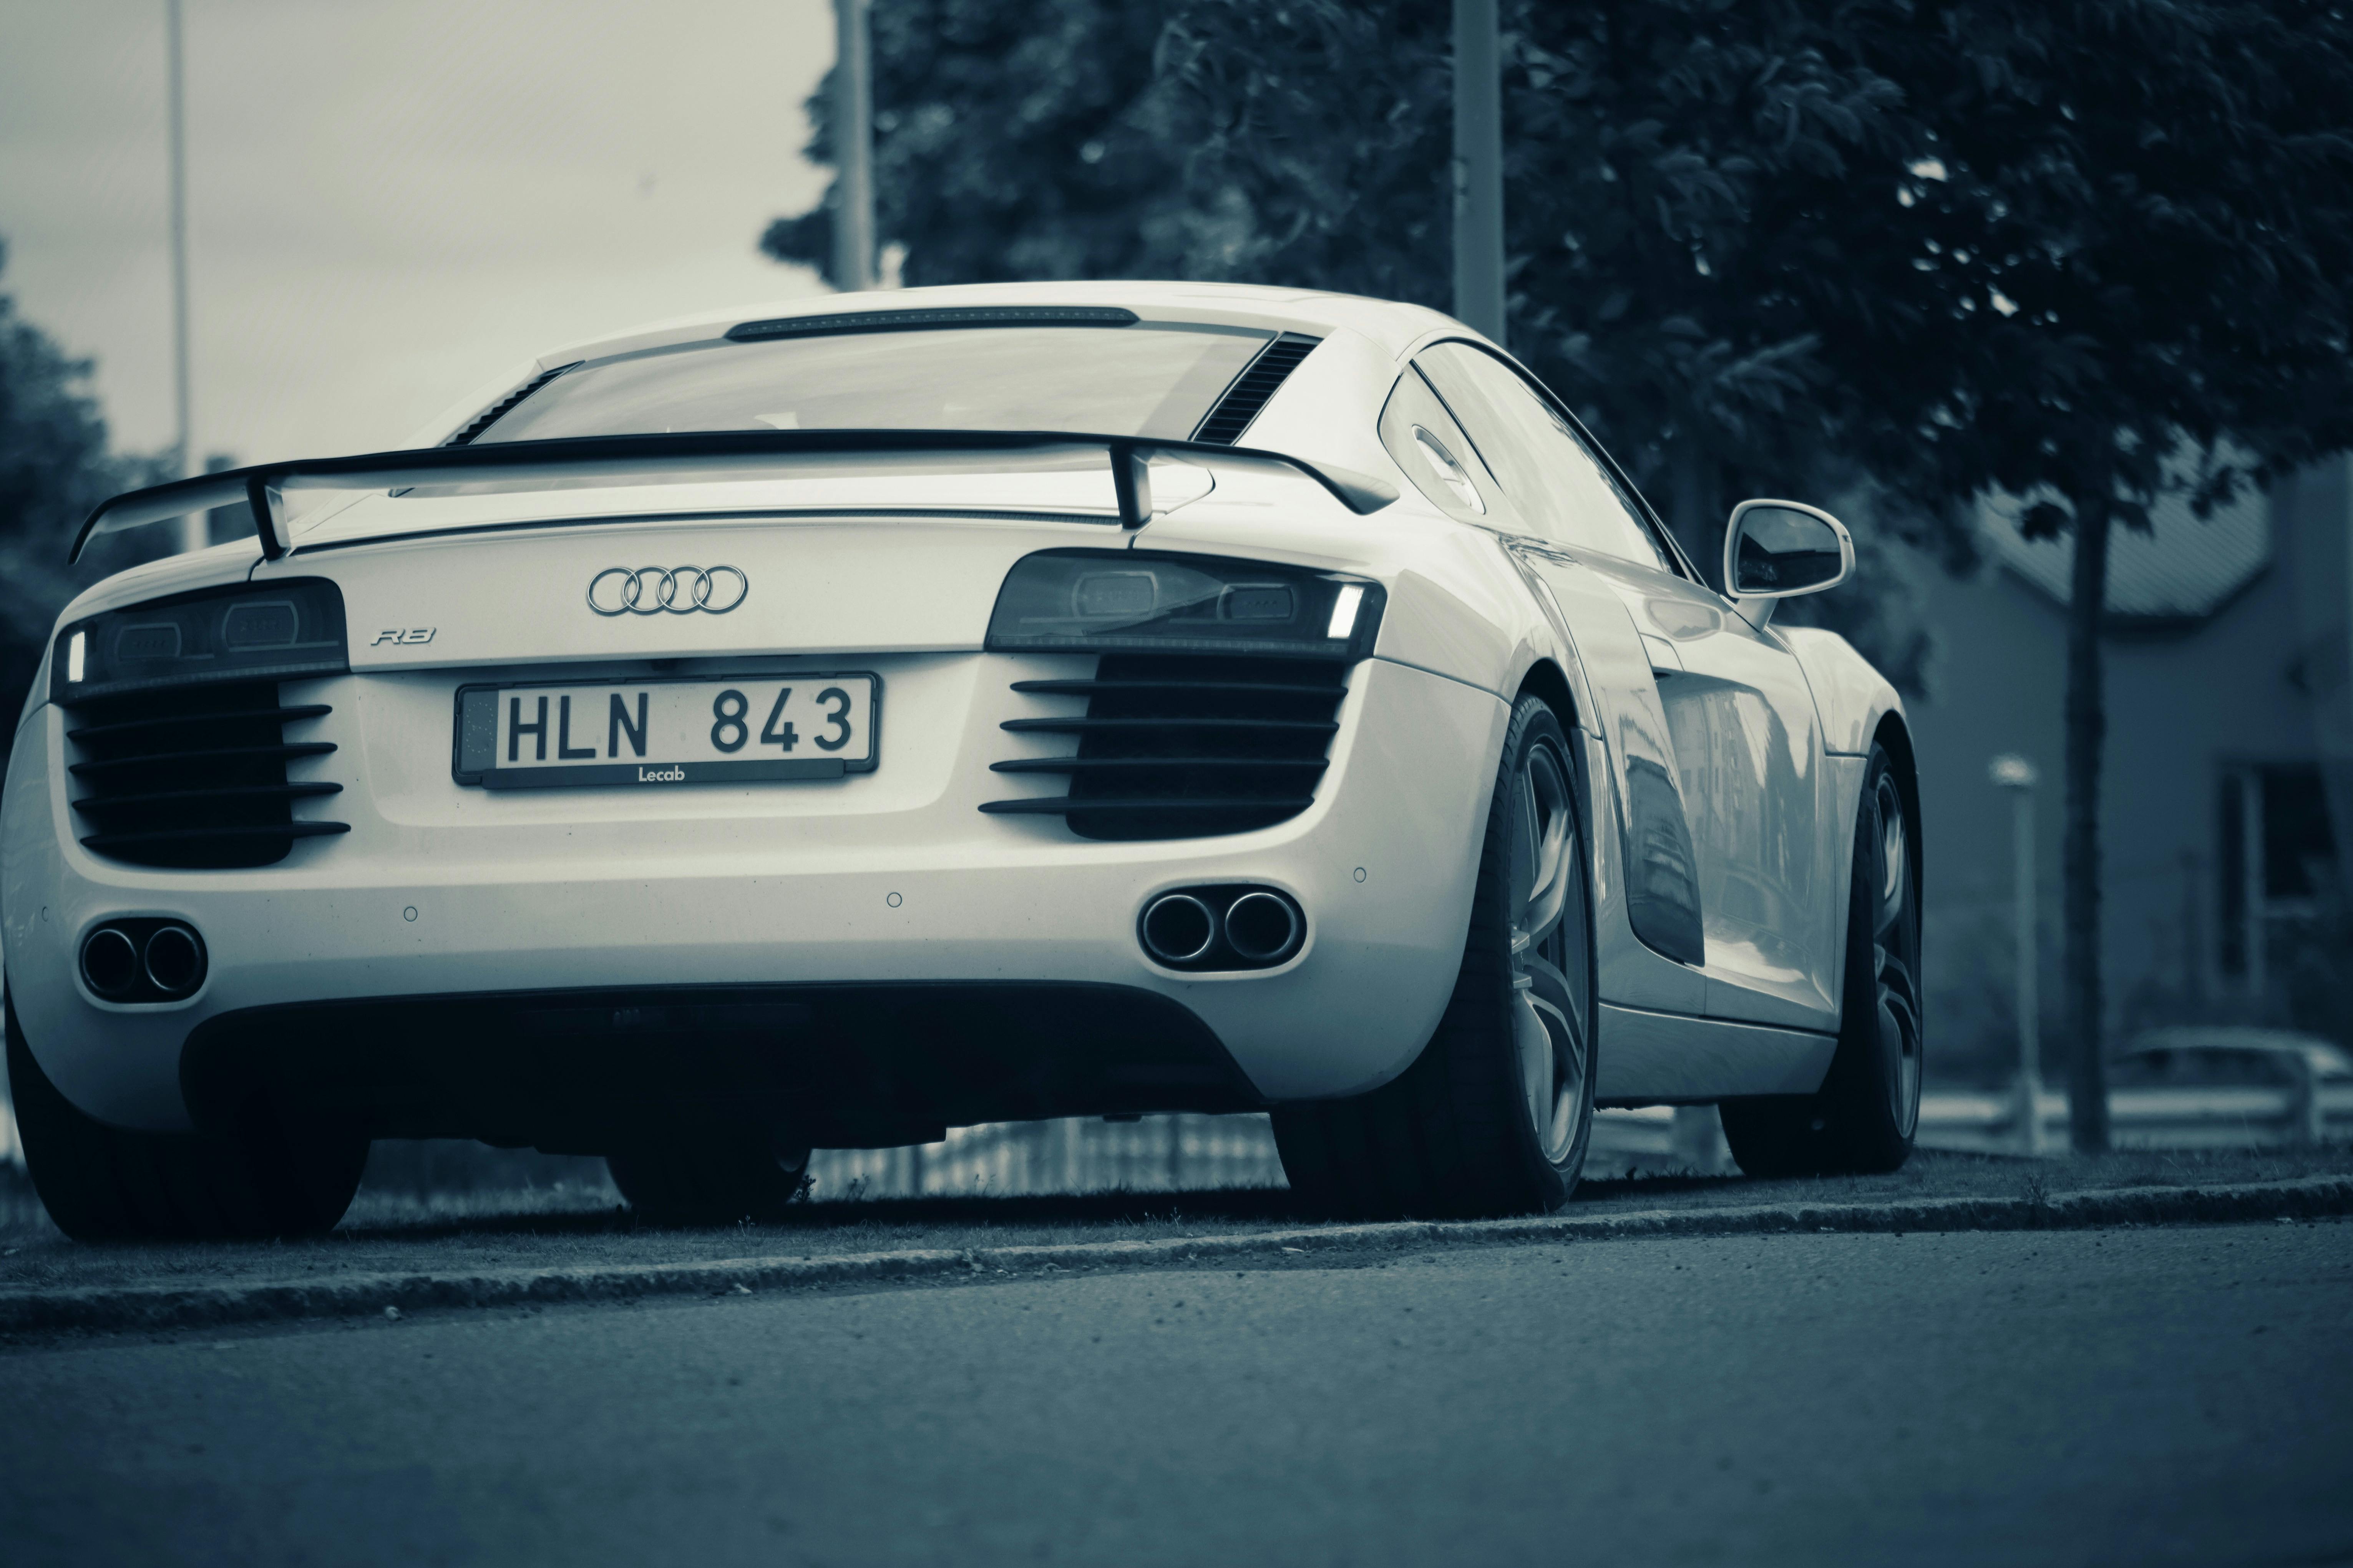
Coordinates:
(1098, 381)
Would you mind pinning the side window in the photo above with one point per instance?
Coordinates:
(1432, 450)
(1537, 457)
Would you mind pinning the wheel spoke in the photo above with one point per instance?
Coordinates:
(1550, 986)
(1544, 857)
(1893, 857)
(1899, 1036)
(1556, 1095)
(1537, 1073)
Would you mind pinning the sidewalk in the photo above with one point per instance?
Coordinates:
(284, 1295)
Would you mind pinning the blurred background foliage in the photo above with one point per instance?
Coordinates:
(55, 465)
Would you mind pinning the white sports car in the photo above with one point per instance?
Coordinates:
(822, 727)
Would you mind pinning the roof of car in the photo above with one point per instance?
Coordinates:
(1394, 325)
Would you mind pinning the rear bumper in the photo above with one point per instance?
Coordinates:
(858, 1066)
(893, 880)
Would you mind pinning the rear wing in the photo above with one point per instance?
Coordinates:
(259, 487)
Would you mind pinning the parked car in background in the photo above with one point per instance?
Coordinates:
(2217, 1086)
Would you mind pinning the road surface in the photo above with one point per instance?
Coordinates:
(2140, 1396)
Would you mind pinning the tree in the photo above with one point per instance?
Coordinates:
(2129, 251)
(1012, 142)
(54, 468)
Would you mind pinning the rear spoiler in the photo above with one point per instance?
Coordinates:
(258, 487)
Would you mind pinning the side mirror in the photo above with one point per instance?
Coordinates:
(1779, 549)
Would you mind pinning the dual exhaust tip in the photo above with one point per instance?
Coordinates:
(144, 960)
(1224, 927)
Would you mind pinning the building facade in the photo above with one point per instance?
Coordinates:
(2223, 892)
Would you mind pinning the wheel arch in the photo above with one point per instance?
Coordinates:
(1544, 678)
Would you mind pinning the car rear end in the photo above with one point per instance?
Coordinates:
(832, 797)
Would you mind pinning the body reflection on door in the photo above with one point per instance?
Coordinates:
(1743, 728)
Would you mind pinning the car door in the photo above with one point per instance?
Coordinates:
(1740, 719)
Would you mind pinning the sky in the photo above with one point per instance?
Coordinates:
(391, 201)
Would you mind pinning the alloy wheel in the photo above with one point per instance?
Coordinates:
(1551, 1015)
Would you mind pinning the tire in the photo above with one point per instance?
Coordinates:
(108, 1184)
(1864, 1118)
(1495, 1115)
(712, 1179)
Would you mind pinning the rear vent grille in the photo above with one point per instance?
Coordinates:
(1184, 747)
(1243, 401)
(193, 777)
(499, 410)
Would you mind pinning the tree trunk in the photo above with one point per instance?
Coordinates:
(2086, 720)
(1696, 512)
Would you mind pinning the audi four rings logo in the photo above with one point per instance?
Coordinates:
(681, 590)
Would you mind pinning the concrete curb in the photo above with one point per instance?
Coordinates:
(166, 1307)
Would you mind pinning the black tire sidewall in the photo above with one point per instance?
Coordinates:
(707, 1179)
(102, 1182)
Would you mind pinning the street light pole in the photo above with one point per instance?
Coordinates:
(1478, 168)
(2015, 774)
(195, 528)
(853, 144)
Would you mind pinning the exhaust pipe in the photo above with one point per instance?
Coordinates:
(1229, 926)
(144, 960)
(1178, 928)
(175, 960)
(109, 961)
(1264, 928)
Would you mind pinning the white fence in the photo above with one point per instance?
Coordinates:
(1155, 1153)
(1184, 1153)
(2221, 1118)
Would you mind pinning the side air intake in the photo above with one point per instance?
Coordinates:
(1183, 746)
(194, 777)
(1248, 395)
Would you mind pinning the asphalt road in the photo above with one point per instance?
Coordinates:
(2136, 1396)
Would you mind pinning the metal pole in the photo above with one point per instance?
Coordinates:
(195, 528)
(2029, 961)
(2251, 881)
(1478, 168)
(2193, 933)
(2017, 775)
(853, 141)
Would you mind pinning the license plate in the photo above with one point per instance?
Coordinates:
(652, 733)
